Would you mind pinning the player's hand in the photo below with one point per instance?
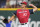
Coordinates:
(31, 5)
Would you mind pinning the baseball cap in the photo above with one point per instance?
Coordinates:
(24, 3)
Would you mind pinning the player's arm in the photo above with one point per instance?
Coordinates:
(12, 18)
(7, 21)
(34, 7)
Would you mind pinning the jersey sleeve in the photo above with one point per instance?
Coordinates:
(31, 11)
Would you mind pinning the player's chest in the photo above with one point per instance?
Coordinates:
(23, 13)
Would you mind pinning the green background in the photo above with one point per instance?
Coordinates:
(34, 17)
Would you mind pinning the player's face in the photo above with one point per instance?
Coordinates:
(23, 6)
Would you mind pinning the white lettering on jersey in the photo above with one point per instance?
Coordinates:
(22, 11)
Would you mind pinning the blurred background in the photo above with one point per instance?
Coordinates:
(6, 11)
(16, 3)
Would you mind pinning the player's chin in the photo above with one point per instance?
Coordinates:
(22, 7)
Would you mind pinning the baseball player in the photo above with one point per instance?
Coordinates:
(23, 14)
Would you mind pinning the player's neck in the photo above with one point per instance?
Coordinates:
(23, 8)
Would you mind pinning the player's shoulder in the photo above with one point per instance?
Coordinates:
(30, 9)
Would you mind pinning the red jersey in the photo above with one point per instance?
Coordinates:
(23, 15)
